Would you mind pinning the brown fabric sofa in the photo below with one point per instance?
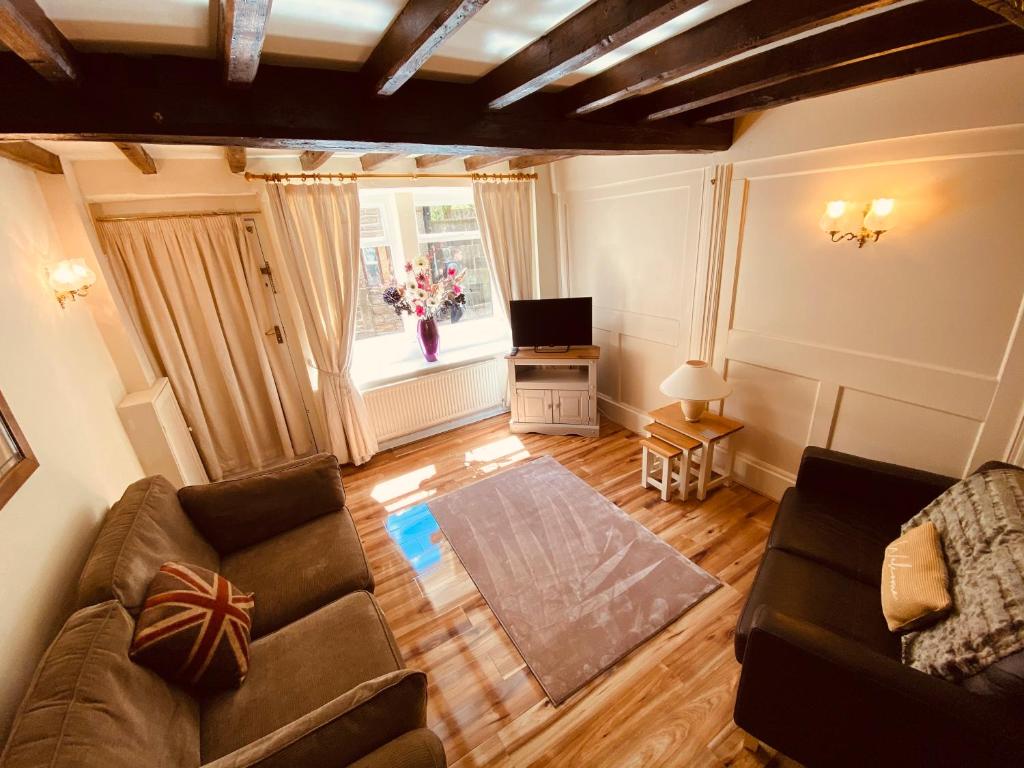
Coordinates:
(326, 687)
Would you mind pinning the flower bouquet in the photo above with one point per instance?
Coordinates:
(427, 299)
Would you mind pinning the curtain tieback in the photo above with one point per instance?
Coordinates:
(341, 376)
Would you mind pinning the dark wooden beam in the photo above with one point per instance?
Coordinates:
(138, 155)
(1012, 10)
(1005, 40)
(311, 160)
(418, 30)
(429, 161)
(374, 160)
(173, 100)
(600, 27)
(475, 163)
(243, 27)
(748, 26)
(26, 30)
(532, 161)
(900, 29)
(236, 157)
(29, 154)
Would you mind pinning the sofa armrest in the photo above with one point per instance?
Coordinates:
(344, 730)
(824, 700)
(902, 490)
(416, 749)
(235, 514)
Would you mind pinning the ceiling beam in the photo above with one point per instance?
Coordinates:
(748, 26)
(1005, 40)
(175, 100)
(237, 159)
(26, 30)
(902, 28)
(33, 156)
(138, 155)
(600, 27)
(310, 160)
(532, 161)
(243, 27)
(429, 161)
(374, 160)
(1012, 10)
(477, 162)
(418, 30)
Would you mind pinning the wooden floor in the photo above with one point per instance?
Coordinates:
(668, 704)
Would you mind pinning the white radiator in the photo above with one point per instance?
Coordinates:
(412, 407)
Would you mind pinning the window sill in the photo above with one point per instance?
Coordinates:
(467, 343)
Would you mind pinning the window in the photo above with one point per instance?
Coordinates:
(17, 462)
(440, 224)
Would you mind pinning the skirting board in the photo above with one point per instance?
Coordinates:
(747, 470)
(447, 426)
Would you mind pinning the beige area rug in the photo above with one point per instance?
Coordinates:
(575, 581)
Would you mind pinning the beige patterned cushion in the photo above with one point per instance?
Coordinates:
(914, 580)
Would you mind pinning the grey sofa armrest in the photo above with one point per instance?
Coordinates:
(827, 701)
(235, 514)
(344, 730)
(890, 489)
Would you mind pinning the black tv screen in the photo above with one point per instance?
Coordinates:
(551, 322)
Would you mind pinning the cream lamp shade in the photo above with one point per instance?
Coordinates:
(694, 383)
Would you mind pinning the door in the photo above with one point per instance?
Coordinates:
(534, 406)
(572, 406)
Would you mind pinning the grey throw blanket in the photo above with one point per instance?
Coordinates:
(982, 530)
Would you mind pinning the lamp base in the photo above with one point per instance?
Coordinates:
(693, 409)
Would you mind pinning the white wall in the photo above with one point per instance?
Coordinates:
(905, 350)
(62, 386)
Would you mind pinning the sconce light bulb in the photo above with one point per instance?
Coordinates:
(882, 206)
(834, 209)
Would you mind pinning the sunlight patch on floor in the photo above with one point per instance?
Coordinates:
(403, 485)
(497, 454)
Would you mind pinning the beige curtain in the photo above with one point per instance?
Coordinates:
(504, 209)
(183, 281)
(318, 224)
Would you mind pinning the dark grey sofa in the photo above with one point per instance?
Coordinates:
(822, 679)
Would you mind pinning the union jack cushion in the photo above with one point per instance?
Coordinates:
(194, 628)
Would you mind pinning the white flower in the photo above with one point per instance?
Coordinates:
(421, 264)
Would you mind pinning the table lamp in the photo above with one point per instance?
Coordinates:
(694, 383)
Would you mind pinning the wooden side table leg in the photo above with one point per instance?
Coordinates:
(706, 460)
(684, 475)
(644, 468)
(666, 478)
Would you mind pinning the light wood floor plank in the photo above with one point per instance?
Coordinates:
(669, 703)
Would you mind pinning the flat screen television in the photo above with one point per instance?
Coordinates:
(551, 322)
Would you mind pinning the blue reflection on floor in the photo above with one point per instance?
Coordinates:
(412, 530)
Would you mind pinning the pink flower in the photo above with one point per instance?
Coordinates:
(420, 311)
(451, 271)
(456, 289)
(408, 266)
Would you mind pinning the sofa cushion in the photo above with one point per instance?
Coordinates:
(235, 514)
(141, 532)
(915, 589)
(299, 668)
(299, 571)
(194, 629)
(90, 705)
(833, 532)
(812, 592)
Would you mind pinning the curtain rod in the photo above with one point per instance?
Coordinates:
(354, 176)
(183, 215)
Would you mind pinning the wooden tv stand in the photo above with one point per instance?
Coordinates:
(554, 392)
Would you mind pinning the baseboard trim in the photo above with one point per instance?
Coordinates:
(446, 426)
(751, 472)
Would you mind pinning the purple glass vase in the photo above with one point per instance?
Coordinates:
(430, 339)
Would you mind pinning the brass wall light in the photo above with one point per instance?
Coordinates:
(874, 220)
(70, 279)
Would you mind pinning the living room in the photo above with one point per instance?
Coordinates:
(512, 437)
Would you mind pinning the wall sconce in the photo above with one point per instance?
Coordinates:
(70, 279)
(873, 223)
